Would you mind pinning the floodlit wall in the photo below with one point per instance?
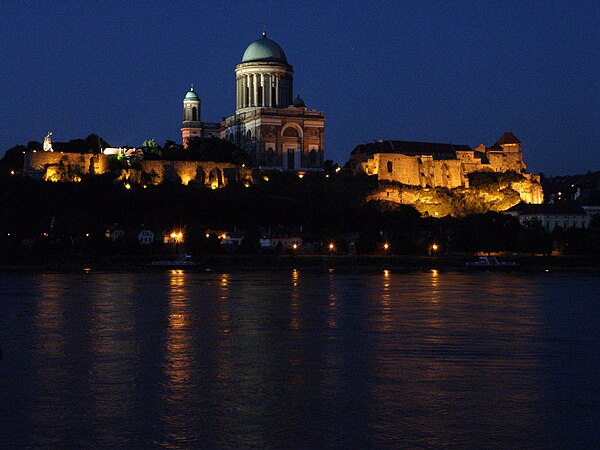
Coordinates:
(48, 165)
(425, 171)
(40, 164)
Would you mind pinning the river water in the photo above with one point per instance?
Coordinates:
(298, 359)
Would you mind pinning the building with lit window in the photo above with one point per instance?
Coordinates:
(277, 130)
(551, 216)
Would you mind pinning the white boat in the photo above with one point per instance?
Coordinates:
(491, 262)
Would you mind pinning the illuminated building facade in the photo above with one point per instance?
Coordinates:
(428, 164)
(278, 131)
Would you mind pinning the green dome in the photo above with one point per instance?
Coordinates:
(299, 103)
(192, 95)
(264, 49)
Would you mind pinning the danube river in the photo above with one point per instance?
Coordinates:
(299, 359)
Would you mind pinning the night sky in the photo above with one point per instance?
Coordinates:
(457, 72)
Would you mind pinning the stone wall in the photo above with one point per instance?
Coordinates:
(45, 165)
(427, 172)
(424, 171)
(42, 164)
(208, 173)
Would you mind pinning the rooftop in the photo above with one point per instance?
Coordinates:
(567, 208)
(410, 148)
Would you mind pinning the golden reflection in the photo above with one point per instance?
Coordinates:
(295, 323)
(332, 305)
(178, 364)
(483, 328)
(224, 286)
(49, 317)
(386, 303)
(224, 316)
(435, 281)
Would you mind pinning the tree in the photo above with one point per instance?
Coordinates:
(95, 143)
(12, 161)
(151, 149)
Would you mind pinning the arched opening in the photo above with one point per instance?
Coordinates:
(390, 167)
(270, 157)
(312, 158)
(194, 113)
(290, 132)
(249, 134)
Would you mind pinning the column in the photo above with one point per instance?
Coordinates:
(277, 91)
(248, 96)
(262, 85)
(255, 88)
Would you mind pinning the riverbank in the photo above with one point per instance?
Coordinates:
(316, 263)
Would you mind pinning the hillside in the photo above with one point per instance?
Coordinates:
(565, 188)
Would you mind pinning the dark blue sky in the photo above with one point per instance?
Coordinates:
(459, 72)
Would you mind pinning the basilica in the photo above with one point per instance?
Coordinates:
(277, 130)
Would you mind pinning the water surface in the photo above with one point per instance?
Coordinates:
(295, 359)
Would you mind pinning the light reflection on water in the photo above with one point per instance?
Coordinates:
(299, 359)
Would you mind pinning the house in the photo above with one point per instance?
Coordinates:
(550, 216)
(281, 238)
(115, 233)
(146, 237)
(233, 239)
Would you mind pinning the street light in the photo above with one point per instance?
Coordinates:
(434, 248)
(331, 247)
(177, 236)
(386, 247)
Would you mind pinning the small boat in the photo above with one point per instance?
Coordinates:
(182, 261)
(491, 262)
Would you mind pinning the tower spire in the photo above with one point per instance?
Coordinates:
(192, 87)
(264, 33)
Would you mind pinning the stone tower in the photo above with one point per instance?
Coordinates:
(191, 126)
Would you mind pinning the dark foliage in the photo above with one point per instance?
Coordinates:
(583, 188)
(485, 179)
(201, 149)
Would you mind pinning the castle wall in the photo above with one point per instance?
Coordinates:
(425, 171)
(208, 173)
(42, 164)
(405, 169)
(417, 170)
(45, 165)
(505, 161)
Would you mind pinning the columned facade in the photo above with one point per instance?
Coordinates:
(263, 85)
(278, 132)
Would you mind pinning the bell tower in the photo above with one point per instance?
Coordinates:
(191, 126)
